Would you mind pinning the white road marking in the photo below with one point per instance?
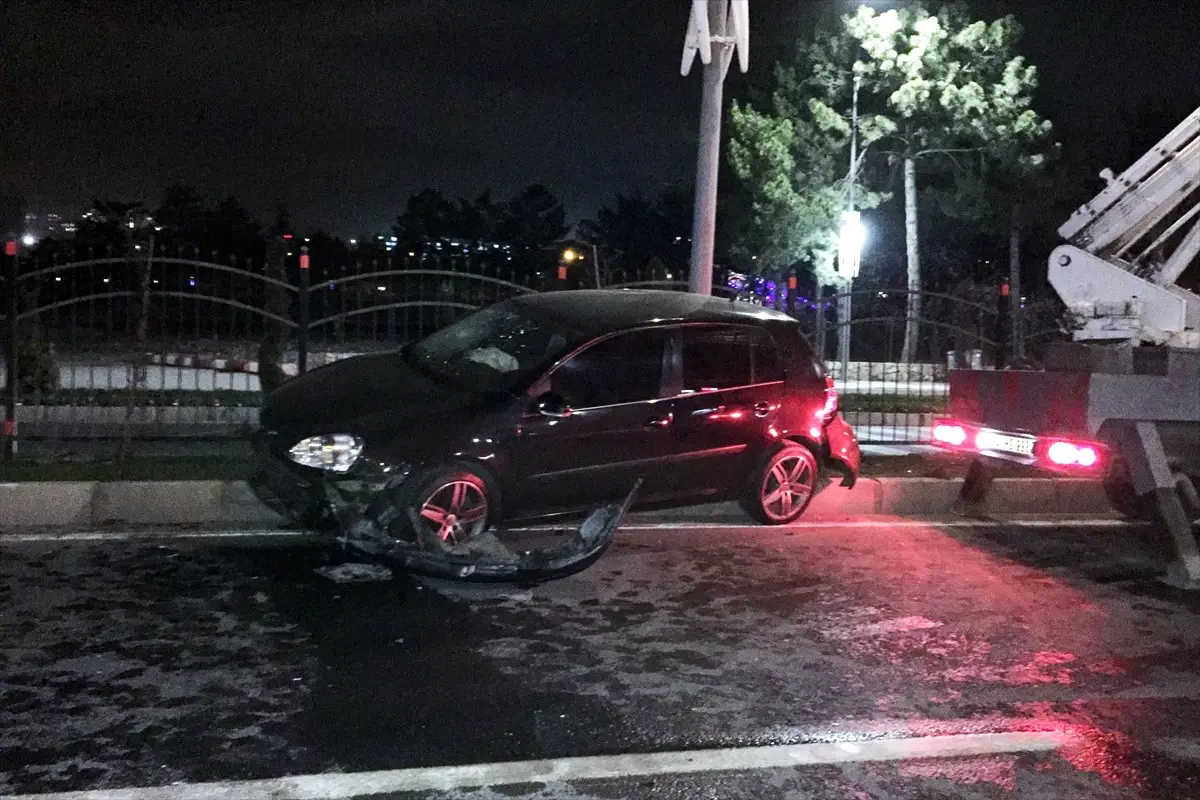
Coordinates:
(1103, 522)
(337, 786)
(680, 525)
(121, 536)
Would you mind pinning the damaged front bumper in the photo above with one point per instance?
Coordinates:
(485, 557)
(347, 508)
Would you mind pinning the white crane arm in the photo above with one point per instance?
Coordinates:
(1090, 226)
(1131, 243)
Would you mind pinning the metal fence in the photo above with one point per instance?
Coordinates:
(169, 350)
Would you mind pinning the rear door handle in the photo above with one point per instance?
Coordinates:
(762, 409)
(658, 422)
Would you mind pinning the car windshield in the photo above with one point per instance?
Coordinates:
(492, 350)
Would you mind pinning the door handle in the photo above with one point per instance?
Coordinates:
(658, 422)
(762, 409)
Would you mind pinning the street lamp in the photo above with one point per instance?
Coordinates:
(570, 255)
(29, 240)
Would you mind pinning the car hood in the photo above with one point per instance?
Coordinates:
(361, 395)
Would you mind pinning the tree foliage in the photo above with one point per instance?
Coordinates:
(939, 93)
(634, 230)
(532, 219)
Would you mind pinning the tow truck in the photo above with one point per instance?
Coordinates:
(1120, 401)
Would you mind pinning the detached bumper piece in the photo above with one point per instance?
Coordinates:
(485, 558)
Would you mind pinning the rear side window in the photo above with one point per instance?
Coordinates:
(724, 357)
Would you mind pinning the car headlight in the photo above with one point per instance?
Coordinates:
(335, 452)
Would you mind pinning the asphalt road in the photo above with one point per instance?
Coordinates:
(1048, 657)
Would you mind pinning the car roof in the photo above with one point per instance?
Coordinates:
(595, 312)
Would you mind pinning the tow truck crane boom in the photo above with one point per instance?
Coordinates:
(1130, 244)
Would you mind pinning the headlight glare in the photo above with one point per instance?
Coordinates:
(335, 452)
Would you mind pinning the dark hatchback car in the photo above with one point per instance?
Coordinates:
(556, 403)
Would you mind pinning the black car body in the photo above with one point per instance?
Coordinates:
(559, 402)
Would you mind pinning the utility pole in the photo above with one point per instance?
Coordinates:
(715, 30)
(845, 305)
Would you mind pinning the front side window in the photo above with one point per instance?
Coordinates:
(626, 368)
(725, 357)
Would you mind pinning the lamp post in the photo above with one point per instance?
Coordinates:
(850, 242)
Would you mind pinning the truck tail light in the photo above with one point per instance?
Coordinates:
(1066, 453)
(949, 433)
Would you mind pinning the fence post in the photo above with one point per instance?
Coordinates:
(302, 315)
(1002, 324)
(821, 323)
(10, 359)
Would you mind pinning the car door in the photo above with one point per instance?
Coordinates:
(731, 388)
(614, 428)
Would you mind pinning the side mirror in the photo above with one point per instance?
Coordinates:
(553, 405)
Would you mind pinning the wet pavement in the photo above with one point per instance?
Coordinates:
(155, 660)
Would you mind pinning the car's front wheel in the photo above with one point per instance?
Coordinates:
(783, 486)
(455, 503)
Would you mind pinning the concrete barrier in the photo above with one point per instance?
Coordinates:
(52, 503)
(218, 504)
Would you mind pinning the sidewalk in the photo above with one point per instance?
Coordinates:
(898, 449)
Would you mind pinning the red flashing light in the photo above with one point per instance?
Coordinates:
(791, 281)
(9, 429)
(287, 236)
(562, 272)
(10, 248)
(1004, 290)
(304, 261)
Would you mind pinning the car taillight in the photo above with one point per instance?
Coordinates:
(831, 400)
(1065, 453)
(950, 433)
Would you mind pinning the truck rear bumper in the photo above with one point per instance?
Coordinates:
(1060, 453)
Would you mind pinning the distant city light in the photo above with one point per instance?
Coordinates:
(106, 280)
(381, 288)
(29, 240)
(354, 241)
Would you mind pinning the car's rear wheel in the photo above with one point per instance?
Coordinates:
(782, 487)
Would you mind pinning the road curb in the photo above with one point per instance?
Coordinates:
(228, 504)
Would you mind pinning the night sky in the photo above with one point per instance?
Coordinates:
(345, 108)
